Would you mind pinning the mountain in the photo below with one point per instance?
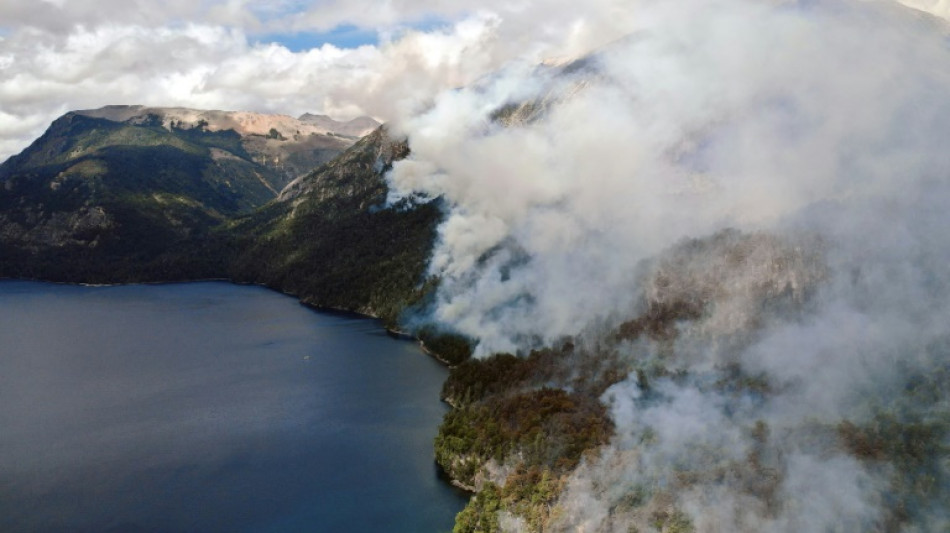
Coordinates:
(120, 189)
(332, 240)
(103, 193)
(726, 314)
(133, 194)
(285, 146)
(357, 127)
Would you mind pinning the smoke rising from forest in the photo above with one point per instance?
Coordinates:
(780, 164)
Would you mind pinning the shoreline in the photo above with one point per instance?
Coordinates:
(392, 332)
(434, 355)
(390, 387)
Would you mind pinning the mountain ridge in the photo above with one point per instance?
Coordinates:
(134, 196)
(243, 122)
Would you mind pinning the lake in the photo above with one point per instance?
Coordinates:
(211, 407)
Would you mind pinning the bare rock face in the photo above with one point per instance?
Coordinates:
(243, 122)
(371, 155)
(291, 147)
(357, 127)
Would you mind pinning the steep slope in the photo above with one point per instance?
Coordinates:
(126, 197)
(332, 240)
(94, 197)
(738, 251)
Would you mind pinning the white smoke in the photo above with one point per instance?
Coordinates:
(714, 114)
(937, 8)
(816, 129)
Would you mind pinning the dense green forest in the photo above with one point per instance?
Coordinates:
(96, 201)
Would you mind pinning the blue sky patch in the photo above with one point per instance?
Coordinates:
(347, 35)
(344, 36)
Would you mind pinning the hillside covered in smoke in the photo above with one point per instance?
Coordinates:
(728, 228)
(703, 270)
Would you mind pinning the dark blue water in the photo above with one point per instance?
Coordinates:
(211, 407)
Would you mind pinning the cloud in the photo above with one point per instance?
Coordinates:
(213, 67)
(64, 55)
(62, 15)
(60, 56)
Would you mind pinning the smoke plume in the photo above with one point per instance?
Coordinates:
(778, 169)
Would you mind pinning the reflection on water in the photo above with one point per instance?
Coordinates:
(210, 407)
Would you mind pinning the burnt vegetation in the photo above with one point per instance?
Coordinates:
(522, 424)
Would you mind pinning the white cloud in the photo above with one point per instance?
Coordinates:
(76, 54)
(72, 54)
